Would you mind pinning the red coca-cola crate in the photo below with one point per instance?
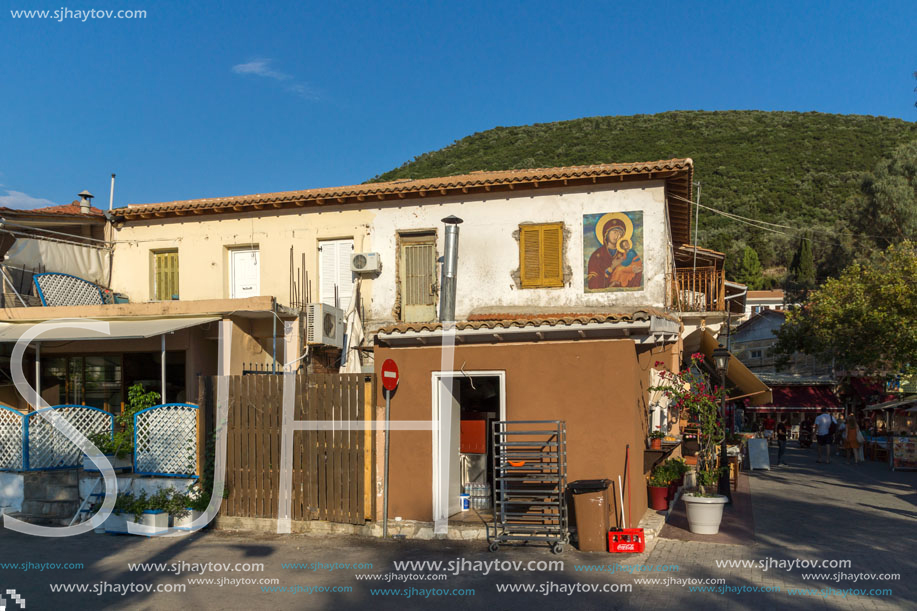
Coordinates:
(626, 541)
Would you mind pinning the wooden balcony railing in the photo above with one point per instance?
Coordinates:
(701, 289)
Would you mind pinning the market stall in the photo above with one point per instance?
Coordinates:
(894, 435)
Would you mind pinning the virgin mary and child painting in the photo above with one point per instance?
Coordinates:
(613, 251)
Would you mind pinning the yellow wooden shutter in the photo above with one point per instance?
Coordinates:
(165, 275)
(541, 255)
(530, 255)
(552, 252)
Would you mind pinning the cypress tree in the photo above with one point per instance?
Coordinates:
(750, 272)
(801, 278)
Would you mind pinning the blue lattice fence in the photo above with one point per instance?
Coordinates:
(47, 448)
(12, 440)
(165, 440)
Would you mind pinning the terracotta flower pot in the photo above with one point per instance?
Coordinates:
(673, 489)
(656, 443)
(658, 500)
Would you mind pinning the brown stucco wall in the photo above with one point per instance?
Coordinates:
(594, 386)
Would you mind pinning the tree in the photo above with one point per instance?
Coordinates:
(891, 192)
(864, 319)
(801, 278)
(750, 272)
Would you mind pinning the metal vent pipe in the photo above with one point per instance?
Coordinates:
(450, 268)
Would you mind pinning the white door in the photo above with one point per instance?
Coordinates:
(244, 273)
(334, 270)
(449, 447)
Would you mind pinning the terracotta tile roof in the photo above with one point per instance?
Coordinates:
(71, 209)
(522, 321)
(678, 173)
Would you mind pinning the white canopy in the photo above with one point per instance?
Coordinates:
(118, 329)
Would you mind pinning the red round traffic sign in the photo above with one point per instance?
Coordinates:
(389, 375)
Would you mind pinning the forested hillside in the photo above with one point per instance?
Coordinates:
(802, 171)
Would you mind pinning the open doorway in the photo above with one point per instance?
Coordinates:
(465, 404)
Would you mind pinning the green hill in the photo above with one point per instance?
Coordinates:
(802, 170)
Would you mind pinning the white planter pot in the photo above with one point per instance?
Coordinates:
(704, 513)
(185, 522)
(157, 519)
(118, 464)
(116, 523)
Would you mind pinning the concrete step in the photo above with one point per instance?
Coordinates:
(40, 520)
(50, 509)
(63, 477)
(50, 492)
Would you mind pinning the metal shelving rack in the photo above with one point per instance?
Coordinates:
(529, 483)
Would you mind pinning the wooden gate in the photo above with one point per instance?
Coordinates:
(329, 474)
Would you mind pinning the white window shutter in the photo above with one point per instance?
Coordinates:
(334, 269)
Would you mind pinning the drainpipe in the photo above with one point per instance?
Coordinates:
(450, 267)
(163, 371)
(274, 338)
(38, 375)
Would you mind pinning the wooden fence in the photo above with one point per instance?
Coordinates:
(329, 466)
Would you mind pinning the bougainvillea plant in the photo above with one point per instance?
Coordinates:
(690, 392)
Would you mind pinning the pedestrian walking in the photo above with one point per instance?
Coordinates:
(840, 438)
(825, 428)
(853, 441)
(781, 441)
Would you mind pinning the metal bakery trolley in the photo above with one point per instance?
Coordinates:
(529, 483)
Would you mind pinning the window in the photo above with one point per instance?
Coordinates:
(244, 273)
(165, 275)
(334, 272)
(417, 277)
(541, 250)
(756, 354)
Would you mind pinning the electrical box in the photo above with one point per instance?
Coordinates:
(365, 262)
(473, 437)
(324, 325)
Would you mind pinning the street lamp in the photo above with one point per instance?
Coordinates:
(721, 362)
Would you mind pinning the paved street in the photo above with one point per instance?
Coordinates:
(863, 513)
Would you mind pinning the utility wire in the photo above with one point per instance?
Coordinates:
(766, 226)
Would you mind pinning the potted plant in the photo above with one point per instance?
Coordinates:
(128, 508)
(198, 500)
(671, 475)
(656, 439)
(691, 392)
(658, 486)
(119, 446)
(165, 505)
(149, 510)
(680, 468)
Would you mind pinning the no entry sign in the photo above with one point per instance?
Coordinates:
(389, 375)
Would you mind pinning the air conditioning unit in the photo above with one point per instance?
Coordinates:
(365, 262)
(324, 325)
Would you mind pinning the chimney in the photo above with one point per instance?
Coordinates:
(450, 267)
(85, 201)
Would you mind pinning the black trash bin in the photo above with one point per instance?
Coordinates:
(590, 506)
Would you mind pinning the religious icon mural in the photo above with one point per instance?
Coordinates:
(613, 251)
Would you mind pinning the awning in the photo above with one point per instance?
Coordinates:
(748, 384)
(118, 329)
(791, 408)
(892, 404)
(803, 398)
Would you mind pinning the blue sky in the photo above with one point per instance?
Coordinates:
(202, 100)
